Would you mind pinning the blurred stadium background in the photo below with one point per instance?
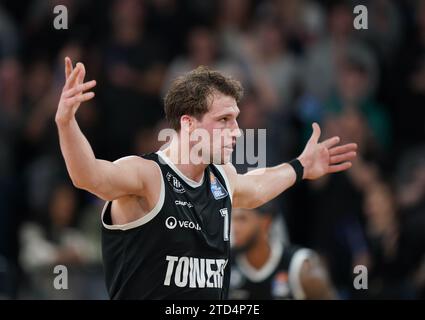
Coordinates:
(299, 60)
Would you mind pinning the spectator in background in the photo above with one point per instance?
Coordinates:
(408, 85)
(11, 81)
(383, 232)
(134, 70)
(263, 268)
(394, 227)
(410, 193)
(202, 50)
(337, 229)
(356, 109)
(302, 21)
(339, 226)
(56, 240)
(167, 20)
(9, 40)
(271, 68)
(322, 59)
(38, 145)
(233, 26)
(11, 122)
(385, 29)
(37, 26)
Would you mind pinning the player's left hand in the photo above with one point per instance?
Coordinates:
(325, 157)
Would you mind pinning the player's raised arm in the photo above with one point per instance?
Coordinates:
(107, 180)
(259, 186)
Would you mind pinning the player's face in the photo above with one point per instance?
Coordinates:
(245, 228)
(223, 129)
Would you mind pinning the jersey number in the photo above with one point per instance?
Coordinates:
(225, 215)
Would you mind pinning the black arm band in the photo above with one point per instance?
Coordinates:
(299, 169)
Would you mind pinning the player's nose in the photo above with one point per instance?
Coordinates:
(236, 131)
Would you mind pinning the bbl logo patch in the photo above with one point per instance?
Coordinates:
(175, 183)
(280, 285)
(217, 189)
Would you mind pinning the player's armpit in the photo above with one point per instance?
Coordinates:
(243, 188)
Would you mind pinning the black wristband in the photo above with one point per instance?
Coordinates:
(299, 169)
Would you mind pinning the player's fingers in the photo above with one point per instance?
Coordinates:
(80, 88)
(82, 74)
(316, 133)
(343, 157)
(339, 167)
(343, 149)
(70, 81)
(329, 143)
(81, 98)
(68, 67)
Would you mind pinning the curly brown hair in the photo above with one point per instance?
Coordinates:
(189, 93)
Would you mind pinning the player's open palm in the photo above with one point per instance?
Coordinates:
(325, 157)
(74, 92)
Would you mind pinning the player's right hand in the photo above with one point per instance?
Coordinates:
(74, 92)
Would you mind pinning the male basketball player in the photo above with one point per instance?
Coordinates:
(265, 268)
(166, 222)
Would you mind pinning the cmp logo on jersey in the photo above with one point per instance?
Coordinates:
(171, 222)
(193, 272)
(183, 203)
(175, 183)
(216, 188)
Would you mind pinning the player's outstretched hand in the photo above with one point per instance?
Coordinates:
(325, 157)
(74, 92)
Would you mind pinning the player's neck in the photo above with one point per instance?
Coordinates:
(183, 162)
(259, 254)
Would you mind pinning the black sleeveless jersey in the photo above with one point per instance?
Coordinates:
(278, 279)
(180, 249)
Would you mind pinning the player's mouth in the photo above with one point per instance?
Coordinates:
(230, 147)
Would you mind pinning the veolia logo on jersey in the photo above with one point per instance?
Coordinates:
(171, 222)
(175, 183)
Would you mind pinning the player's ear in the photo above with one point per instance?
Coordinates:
(186, 123)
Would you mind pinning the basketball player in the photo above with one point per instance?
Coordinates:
(166, 222)
(263, 268)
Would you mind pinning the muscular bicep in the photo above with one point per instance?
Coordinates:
(125, 176)
(246, 192)
(261, 185)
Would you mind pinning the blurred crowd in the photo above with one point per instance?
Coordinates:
(299, 61)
